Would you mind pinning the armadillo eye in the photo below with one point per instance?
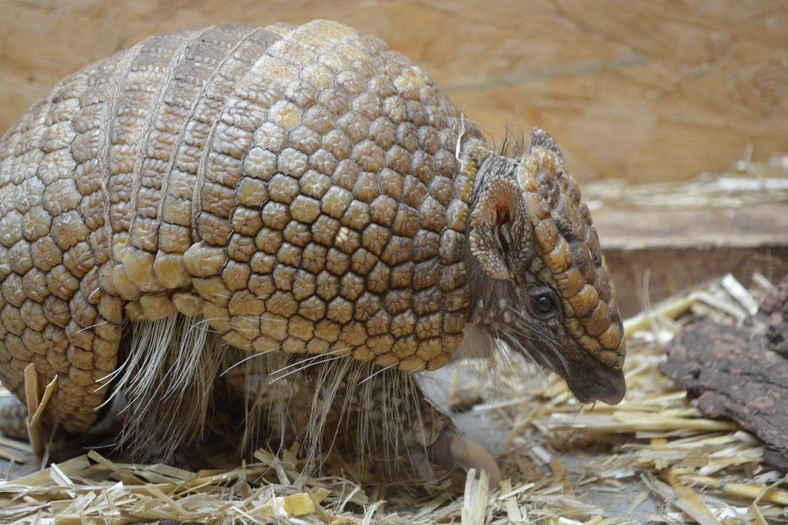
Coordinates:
(543, 304)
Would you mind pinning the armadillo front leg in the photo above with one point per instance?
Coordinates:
(380, 416)
(445, 446)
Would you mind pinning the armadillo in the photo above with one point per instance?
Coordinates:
(300, 199)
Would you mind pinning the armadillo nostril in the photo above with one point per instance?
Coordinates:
(608, 387)
(615, 389)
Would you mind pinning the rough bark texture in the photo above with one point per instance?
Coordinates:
(774, 312)
(739, 374)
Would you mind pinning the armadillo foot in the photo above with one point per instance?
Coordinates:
(12, 419)
(455, 450)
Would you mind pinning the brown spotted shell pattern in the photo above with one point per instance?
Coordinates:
(297, 186)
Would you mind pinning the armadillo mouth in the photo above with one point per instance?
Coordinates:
(589, 379)
(608, 387)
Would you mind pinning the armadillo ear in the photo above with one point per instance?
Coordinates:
(497, 227)
(542, 139)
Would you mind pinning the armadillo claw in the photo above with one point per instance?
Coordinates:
(454, 449)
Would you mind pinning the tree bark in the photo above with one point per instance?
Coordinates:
(740, 373)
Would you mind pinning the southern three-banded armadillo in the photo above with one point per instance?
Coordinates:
(304, 201)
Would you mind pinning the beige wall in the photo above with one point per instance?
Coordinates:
(653, 90)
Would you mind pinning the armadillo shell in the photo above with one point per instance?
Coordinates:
(297, 186)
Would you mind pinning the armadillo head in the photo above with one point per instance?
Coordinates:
(538, 280)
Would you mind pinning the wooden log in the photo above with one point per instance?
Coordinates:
(774, 312)
(736, 374)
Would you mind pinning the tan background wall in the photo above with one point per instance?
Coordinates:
(653, 90)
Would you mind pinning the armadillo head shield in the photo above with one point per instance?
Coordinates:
(538, 279)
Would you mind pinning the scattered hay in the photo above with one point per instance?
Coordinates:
(747, 184)
(670, 463)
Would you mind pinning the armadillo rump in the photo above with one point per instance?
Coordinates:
(301, 203)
